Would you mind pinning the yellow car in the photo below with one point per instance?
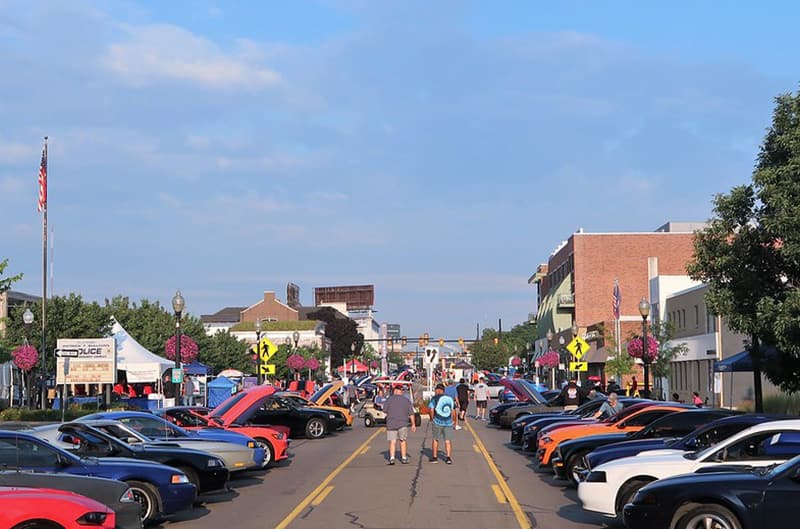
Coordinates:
(321, 399)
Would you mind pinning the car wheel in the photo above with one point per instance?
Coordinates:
(575, 465)
(269, 453)
(315, 428)
(369, 422)
(627, 492)
(147, 497)
(194, 479)
(709, 516)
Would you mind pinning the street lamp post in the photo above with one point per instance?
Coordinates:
(561, 342)
(644, 310)
(178, 304)
(27, 320)
(549, 336)
(296, 338)
(258, 351)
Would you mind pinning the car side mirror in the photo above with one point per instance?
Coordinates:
(132, 440)
(692, 444)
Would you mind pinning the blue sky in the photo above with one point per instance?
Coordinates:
(439, 150)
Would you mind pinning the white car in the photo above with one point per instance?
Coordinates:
(608, 487)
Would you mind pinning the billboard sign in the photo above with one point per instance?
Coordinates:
(86, 361)
(293, 295)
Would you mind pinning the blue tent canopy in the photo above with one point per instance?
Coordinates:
(741, 362)
(220, 389)
(196, 368)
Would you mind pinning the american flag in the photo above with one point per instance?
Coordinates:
(43, 179)
(616, 299)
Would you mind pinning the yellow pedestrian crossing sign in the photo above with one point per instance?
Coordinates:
(578, 347)
(579, 366)
(266, 349)
(267, 369)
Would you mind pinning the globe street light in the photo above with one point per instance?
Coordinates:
(27, 319)
(296, 338)
(258, 351)
(178, 304)
(644, 310)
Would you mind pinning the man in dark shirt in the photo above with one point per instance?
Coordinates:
(399, 413)
(462, 391)
(571, 396)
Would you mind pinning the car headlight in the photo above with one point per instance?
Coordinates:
(251, 444)
(331, 416)
(645, 498)
(92, 518)
(546, 440)
(596, 476)
(279, 436)
(127, 497)
(178, 478)
(214, 462)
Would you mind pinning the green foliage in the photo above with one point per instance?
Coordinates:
(750, 254)
(226, 351)
(663, 333)
(515, 342)
(5, 284)
(27, 414)
(783, 404)
(296, 325)
(619, 362)
(342, 333)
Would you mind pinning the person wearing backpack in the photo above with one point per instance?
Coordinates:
(443, 415)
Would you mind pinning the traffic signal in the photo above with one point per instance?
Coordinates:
(496, 340)
(461, 342)
(426, 338)
(390, 342)
(421, 341)
(441, 342)
(404, 341)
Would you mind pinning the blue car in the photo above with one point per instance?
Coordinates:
(163, 430)
(159, 489)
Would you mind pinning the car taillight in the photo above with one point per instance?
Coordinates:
(92, 518)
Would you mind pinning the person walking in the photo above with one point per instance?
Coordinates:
(612, 386)
(451, 391)
(352, 395)
(462, 390)
(442, 414)
(696, 400)
(481, 394)
(399, 414)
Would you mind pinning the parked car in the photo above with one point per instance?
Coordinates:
(754, 498)
(154, 428)
(703, 437)
(628, 420)
(568, 459)
(581, 415)
(50, 508)
(110, 492)
(322, 398)
(274, 439)
(104, 438)
(611, 485)
(159, 489)
(259, 405)
(529, 400)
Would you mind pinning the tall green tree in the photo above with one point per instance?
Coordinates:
(486, 354)
(342, 332)
(226, 351)
(5, 283)
(618, 361)
(750, 253)
(668, 350)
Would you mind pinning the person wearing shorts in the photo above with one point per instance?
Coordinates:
(462, 390)
(481, 398)
(443, 415)
(399, 414)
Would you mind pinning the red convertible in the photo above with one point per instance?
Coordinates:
(22, 508)
(274, 439)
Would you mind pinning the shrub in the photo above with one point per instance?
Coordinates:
(785, 404)
(26, 414)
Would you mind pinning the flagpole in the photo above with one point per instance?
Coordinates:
(44, 274)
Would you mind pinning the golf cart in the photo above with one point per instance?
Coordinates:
(373, 415)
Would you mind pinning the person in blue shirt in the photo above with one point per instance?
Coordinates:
(443, 415)
(451, 391)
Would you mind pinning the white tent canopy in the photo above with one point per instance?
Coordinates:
(139, 364)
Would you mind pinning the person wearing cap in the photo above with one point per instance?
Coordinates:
(443, 415)
(612, 386)
(399, 413)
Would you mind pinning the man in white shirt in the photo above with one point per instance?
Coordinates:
(481, 398)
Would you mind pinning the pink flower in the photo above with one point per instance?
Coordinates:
(635, 348)
(516, 361)
(295, 361)
(312, 364)
(25, 357)
(373, 364)
(549, 359)
(188, 349)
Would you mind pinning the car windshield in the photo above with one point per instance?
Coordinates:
(154, 427)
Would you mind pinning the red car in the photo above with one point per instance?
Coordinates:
(274, 439)
(22, 508)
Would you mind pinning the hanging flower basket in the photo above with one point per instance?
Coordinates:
(25, 357)
(312, 364)
(373, 364)
(635, 349)
(549, 359)
(188, 349)
(295, 362)
(516, 362)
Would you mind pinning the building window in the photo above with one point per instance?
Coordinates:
(711, 321)
(683, 317)
(696, 316)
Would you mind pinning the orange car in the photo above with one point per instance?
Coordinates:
(632, 419)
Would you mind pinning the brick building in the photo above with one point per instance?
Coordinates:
(576, 283)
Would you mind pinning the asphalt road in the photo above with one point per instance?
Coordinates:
(342, 481)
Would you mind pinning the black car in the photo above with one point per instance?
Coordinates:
(529, 439)
(701, 438)
(207, 472)
(584, 410)
(302, 420)
(751, 499)
(112, 493)
(568, 459)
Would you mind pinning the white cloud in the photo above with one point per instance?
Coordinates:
(11, 153)
(165, 52)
